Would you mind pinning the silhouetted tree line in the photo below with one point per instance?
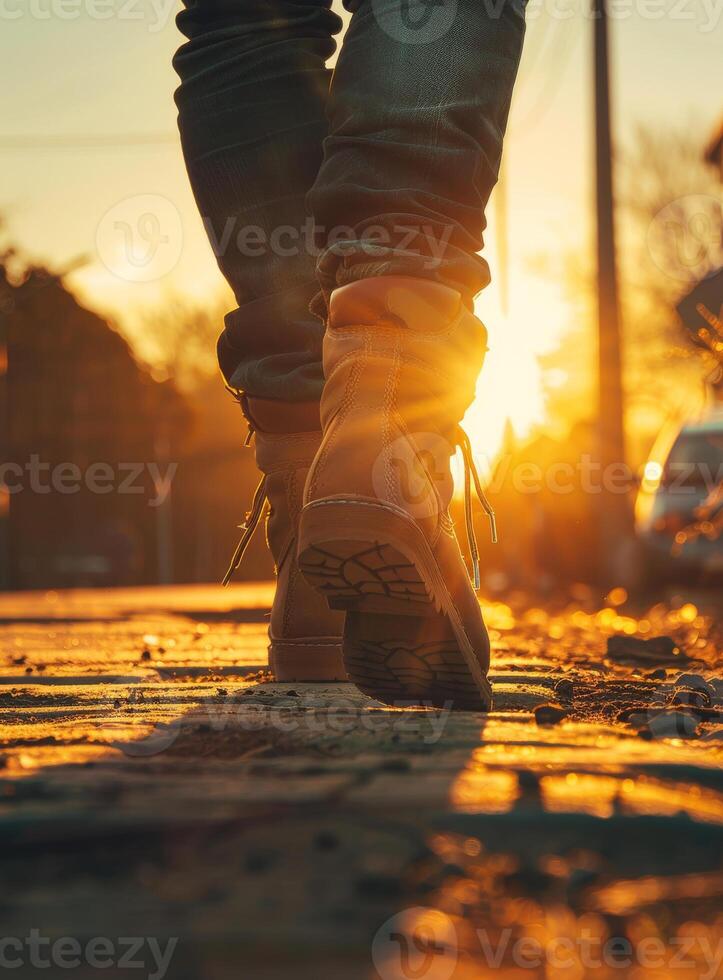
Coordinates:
(110, 477)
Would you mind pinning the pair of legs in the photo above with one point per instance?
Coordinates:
(349, 208)
(307, 181)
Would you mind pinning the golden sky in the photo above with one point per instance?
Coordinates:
(69, 74)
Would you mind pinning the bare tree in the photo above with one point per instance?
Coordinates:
(671, 217)
(669, 237)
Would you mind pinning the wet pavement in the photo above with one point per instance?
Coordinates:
(156, 783)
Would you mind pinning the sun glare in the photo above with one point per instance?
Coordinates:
(510, 387)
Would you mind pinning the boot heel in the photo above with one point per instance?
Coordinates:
(308, 660)
(360, 556)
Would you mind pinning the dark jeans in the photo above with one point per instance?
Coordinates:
(306, 182)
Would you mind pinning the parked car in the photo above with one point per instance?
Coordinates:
(679, 510)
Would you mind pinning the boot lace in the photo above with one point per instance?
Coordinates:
(251, 522)
(247, 529)
(471, 475)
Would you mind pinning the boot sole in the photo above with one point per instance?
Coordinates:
(404, 640)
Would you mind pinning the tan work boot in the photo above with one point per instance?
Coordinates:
(401, 357)
(304, 633)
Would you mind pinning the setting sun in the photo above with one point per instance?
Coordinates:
(510, 388)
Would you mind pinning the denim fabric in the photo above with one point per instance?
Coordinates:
(305, 182)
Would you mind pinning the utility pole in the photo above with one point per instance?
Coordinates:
(615, 512)
(164, 524)
(4, 455)
(6, 300)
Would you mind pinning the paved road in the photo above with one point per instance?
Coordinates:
(157, 784)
